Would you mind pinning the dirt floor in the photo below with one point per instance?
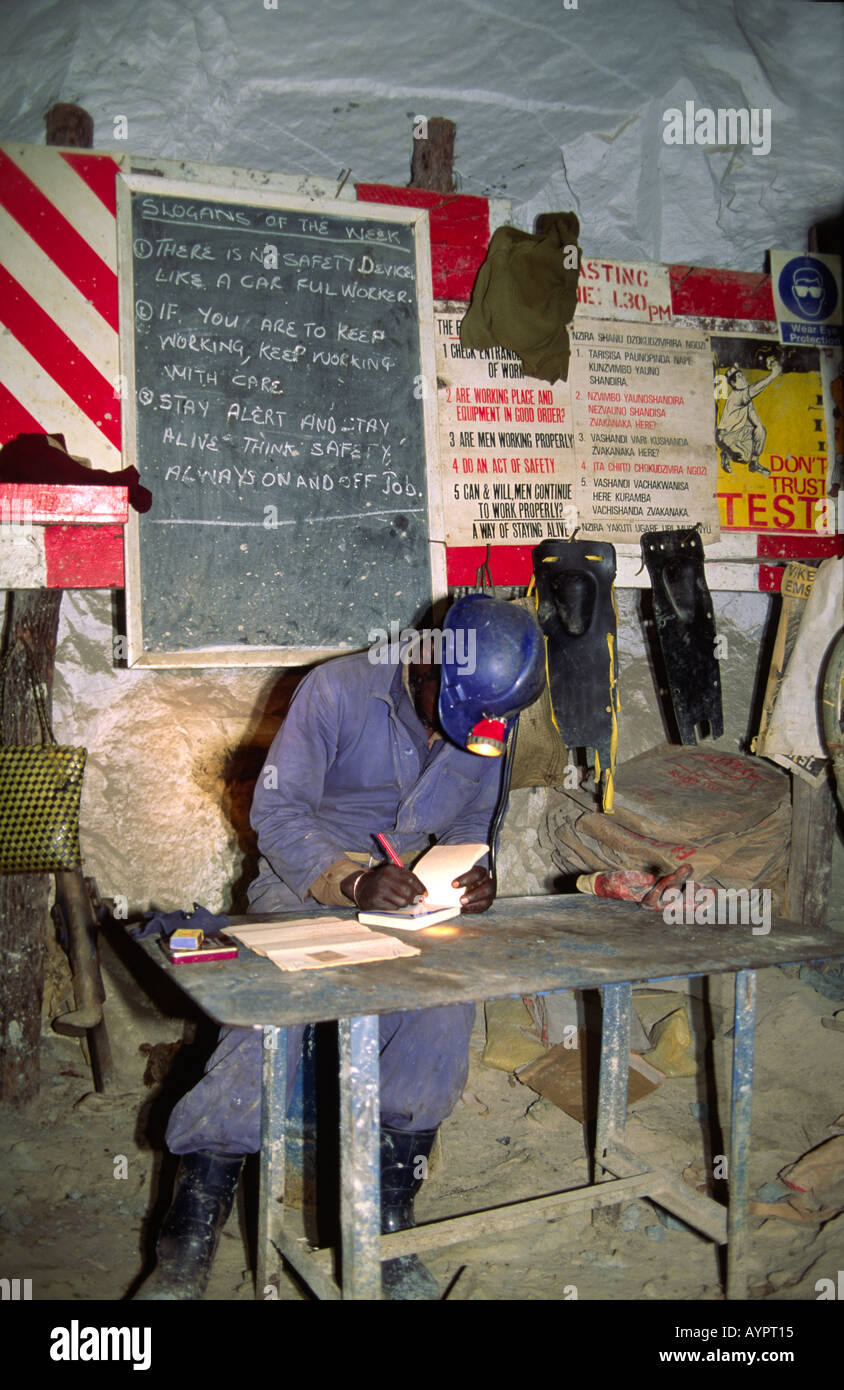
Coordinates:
(83, 1175)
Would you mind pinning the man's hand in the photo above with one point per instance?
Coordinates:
(480, 890)
(384, 889)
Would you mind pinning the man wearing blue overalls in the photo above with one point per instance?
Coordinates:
(374, 742)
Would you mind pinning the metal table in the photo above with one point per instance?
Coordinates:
(521, 946)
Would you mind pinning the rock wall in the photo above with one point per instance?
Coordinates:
(173, 755)
(558, 105)
(172, 758)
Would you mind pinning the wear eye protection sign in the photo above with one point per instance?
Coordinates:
(807, 298)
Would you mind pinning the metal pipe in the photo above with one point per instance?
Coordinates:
(742, 1103)
(360, 1174)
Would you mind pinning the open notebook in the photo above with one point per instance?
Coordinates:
(437, 868)
(313, 943)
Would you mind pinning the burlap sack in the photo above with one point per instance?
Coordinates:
(725, 815)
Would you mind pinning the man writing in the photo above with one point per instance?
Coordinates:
(367, 745)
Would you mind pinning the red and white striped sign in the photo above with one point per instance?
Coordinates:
(59, 345)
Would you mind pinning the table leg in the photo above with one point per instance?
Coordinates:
(271, 1197)
(615, 1067)
(742, 1102)
(360, 1174)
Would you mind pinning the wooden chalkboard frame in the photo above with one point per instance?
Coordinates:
(239, 655)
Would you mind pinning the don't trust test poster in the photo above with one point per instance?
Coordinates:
(770, 437)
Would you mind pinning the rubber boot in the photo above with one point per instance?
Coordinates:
(189, 1237)
(402, 1174)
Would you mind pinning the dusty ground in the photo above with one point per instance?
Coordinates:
(81, 1172)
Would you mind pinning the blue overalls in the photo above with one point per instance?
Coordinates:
(351, 758)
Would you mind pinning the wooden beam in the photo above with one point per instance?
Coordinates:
(432, 160)
(457, 1230)
(76, 503)
(810, 859)
(33, 615)
(68, 124)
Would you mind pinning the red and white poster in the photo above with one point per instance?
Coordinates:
(623, 447)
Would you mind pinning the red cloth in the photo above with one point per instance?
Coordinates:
(31, 458)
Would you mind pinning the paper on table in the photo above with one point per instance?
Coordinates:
(440, 865)
(314, 943)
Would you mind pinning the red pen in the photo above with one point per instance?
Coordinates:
(388, 848)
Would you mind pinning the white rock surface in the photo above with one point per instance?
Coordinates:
(557, 107)
(171, 761)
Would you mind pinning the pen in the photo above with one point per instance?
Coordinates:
(388, 848)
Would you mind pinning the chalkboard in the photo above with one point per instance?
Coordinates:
(280, 405)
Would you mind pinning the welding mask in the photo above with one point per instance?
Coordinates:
(493, 666)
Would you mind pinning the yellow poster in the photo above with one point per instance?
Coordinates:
(770, 437)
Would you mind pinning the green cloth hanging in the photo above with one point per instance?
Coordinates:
(525, 295)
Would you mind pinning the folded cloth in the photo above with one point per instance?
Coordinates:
(526, 293)
(43, 458)
(165, 923)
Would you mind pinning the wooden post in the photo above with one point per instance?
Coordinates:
(24, 898)
(69, 125)
(810, 860)
(432, 161)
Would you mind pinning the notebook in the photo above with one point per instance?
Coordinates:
(436, 869)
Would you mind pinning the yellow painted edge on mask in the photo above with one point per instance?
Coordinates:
(550, 701)
(532, 590)
(609, 784)
(617, 702)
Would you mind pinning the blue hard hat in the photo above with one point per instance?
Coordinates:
(493, 666)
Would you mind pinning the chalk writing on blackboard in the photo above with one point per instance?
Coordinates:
(275, 413)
